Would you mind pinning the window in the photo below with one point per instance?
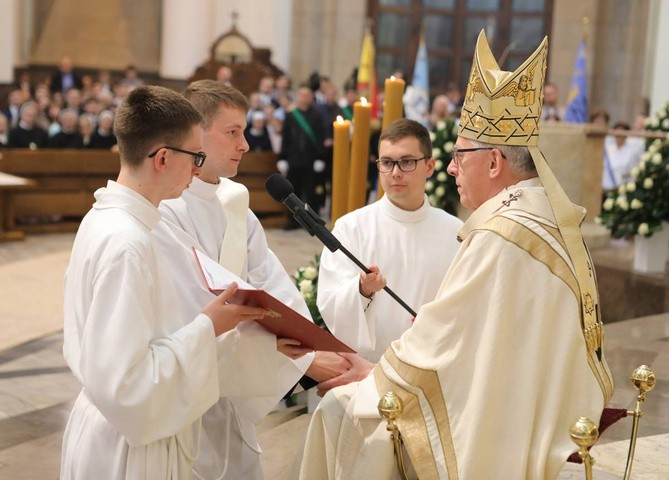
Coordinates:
(514, 28)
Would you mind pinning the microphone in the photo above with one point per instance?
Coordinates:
(282, 191)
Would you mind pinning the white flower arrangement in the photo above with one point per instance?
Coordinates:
(441, 189)
(640, 206)
(306, 280)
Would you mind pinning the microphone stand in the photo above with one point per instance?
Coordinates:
(315, 226)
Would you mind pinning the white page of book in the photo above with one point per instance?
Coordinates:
(216, 276)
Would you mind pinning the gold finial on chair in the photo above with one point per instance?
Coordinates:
(584, 433)
(643, 380)
(391, 407)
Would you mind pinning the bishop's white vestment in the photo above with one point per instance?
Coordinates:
(412, 249)
(492, 373)
(253, 375)
(148, 372)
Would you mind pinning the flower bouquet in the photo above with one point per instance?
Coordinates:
(441, 189)
(306, 280)
(641, 205)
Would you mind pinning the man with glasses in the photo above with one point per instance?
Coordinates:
(149, 372)
(405, 242)
(498, 366)
(213, 216)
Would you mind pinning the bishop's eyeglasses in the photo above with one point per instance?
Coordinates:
(198, 157)
(457, 153)
(407, 165)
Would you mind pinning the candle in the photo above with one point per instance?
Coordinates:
(392, 100)
(357, 185)
(340, 164)
(392, 108)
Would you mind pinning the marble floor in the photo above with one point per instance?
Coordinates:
(37, 389)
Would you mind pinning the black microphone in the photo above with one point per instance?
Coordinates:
(282, 191)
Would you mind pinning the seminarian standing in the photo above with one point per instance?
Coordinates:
(407, 243)
(213, 216)
(148, 372)
(494, 371)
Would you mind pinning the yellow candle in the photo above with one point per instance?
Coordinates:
(357, 186)
(341, 150)
(392, 108)
(392, 100)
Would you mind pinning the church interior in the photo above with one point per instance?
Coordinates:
(63, 57)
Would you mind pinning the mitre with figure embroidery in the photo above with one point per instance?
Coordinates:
(504, 108)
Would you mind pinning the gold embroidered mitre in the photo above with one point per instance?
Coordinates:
(504, 108)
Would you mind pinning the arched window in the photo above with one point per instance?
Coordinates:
(514, 29)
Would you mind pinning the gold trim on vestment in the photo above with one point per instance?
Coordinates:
(412, 423)
(539, 249)
(536, 246)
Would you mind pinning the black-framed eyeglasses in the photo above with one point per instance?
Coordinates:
(407, 165)
(457, 153)
(198, 157)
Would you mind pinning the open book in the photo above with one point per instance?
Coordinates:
(281, 320)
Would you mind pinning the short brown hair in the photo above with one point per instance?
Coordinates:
(151, 115)
(209, 95)
(404, 128)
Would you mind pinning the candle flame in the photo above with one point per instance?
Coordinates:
(340, 119)
(392, 77)
(363, 100)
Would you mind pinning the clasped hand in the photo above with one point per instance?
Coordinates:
(372, 282)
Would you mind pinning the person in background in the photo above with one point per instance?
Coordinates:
(65, 78)
(302, 149)
(27, 134)
(600, 117)
(439, 111)
(621, 154)
(69, 135)
(103, 137)
(4, 130)
(256, 134)
(87, 129)
(224, 75)
(551, 110)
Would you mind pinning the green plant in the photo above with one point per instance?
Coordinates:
(440, 188)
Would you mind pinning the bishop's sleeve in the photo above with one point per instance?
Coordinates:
(147, 384)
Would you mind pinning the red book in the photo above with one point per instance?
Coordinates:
(282, 321)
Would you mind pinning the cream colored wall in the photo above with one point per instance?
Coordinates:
(7, 39)
(615, 46)
(101, 34)
(326, 36)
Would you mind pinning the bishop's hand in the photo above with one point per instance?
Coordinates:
(359, 370)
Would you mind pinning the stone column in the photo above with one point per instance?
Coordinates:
(8, 37)
(658, 68)
(186, 37)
